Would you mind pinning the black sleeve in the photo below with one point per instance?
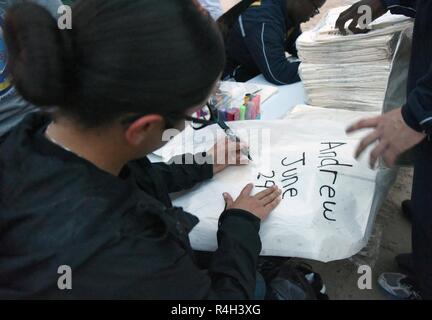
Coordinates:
(234, 264)
(290, 46)
(405, 7)
(184, 172)
(266, 44)
(417, 112)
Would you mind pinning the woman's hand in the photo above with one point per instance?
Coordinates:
(260, 205)
(227, 153)
(392, 133)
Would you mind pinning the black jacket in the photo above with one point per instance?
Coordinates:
(258, 41)
(120, 235)
(418, 115)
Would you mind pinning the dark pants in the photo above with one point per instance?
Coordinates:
(422, 219)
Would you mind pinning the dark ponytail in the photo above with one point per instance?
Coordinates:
(38, 54)
(121, 56)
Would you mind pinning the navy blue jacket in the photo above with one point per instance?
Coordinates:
(418, 110)
(258, 41)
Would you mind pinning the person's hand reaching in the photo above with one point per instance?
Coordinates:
(391, 132)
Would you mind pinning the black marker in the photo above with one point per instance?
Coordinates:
(233, 137)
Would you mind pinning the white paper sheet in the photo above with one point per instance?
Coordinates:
(304, 155)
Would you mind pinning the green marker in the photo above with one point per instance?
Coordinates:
(243, 112)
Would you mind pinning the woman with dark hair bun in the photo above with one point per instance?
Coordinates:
(83, 213)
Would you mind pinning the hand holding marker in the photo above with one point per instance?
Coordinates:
(233, 137)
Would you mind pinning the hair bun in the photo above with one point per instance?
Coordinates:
(39, 56)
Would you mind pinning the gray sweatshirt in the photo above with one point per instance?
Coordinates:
(13, 108)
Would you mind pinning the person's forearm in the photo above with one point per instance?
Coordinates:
(184, 171)
(417, 112)
(286, 74)
(267, 47)
(234, 264)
